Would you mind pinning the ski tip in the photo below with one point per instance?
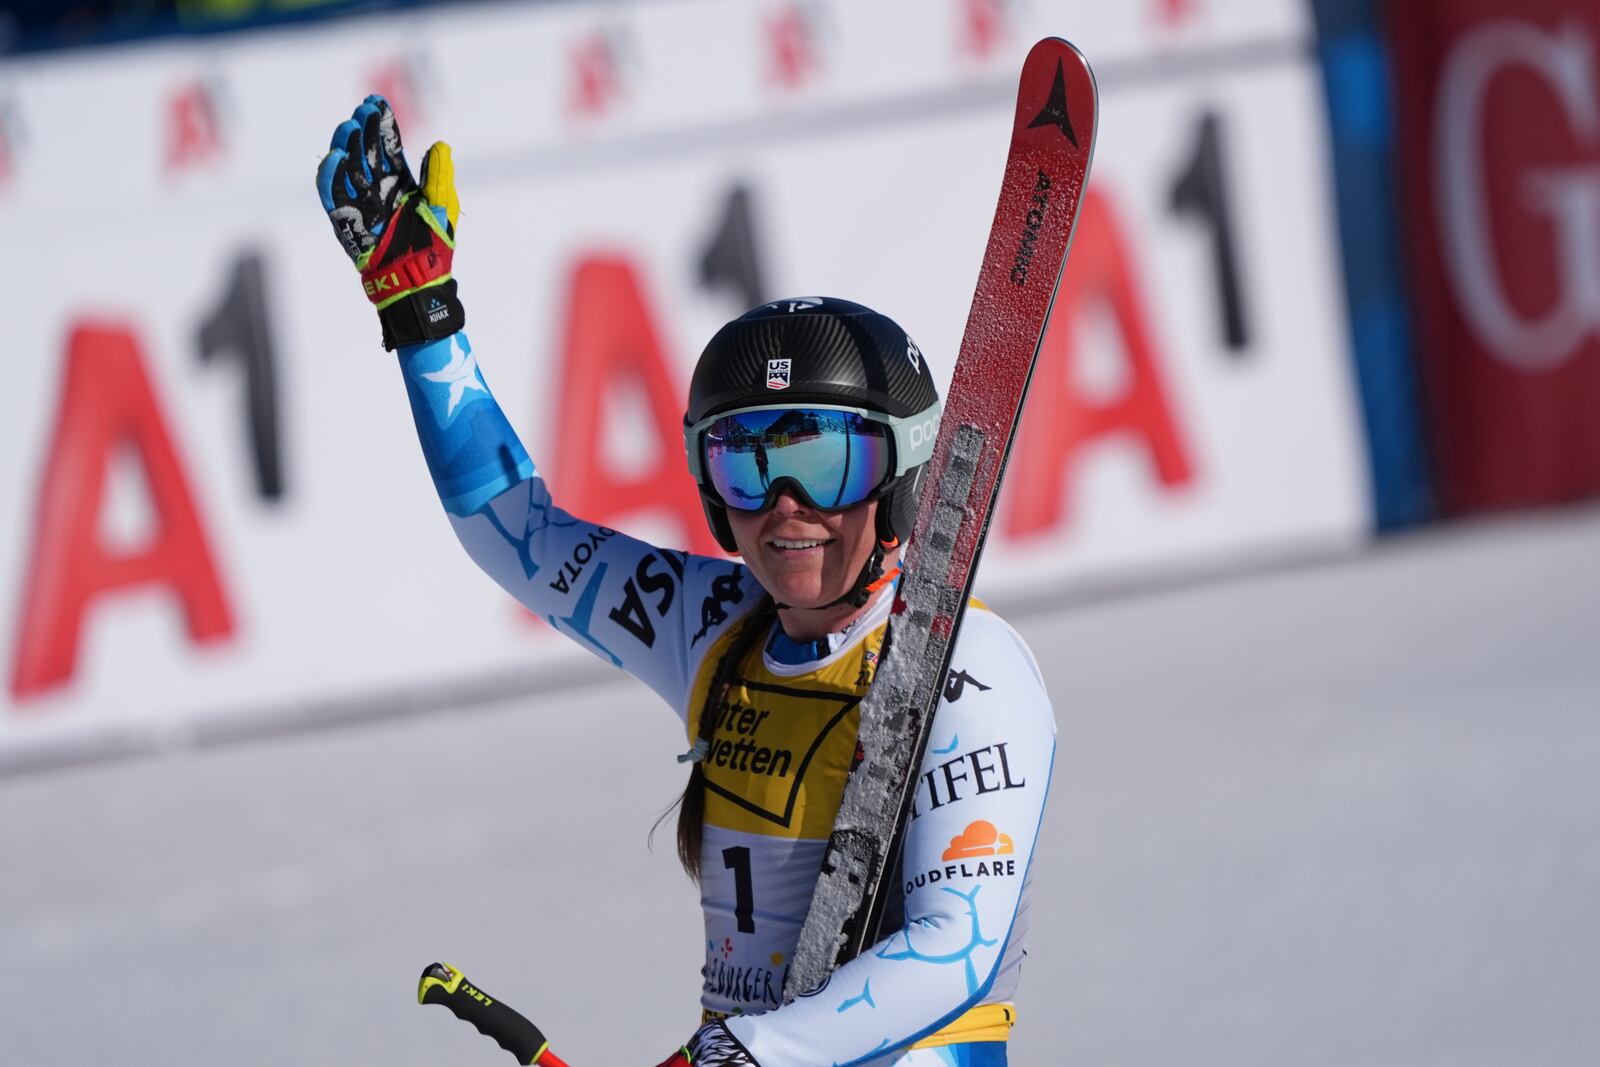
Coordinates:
(1055, 48)
(1058, 100)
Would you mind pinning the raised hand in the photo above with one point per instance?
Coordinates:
(399, 235)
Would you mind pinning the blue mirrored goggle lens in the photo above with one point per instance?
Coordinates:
(838, 458)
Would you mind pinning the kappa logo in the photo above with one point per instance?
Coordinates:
(725, 589)
(980, 838)
(778, 373)
(957, 684)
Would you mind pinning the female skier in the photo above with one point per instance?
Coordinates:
(808, 425)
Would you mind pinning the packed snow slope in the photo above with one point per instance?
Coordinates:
(1341, 814)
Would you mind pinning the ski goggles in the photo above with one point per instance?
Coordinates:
(830, 457)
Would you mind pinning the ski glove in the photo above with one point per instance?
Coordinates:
(711, 1046)
(401, 236)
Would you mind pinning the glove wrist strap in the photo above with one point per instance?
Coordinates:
(422, 315)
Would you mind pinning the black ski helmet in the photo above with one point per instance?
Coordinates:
(838, 352)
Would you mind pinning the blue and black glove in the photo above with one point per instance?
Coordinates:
(401, 236)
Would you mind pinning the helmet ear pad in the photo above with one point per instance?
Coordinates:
(721, 529)
(897, 509)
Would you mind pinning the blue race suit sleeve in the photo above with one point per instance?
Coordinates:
(979, 799)
(634, 605)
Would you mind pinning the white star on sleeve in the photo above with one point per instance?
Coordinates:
(461, 373)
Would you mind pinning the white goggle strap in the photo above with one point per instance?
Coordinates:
(914, 436)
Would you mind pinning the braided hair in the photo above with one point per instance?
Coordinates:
(692, 804)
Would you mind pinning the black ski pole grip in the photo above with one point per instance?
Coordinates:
(443, 984)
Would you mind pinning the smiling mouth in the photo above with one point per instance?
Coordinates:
(785, 544)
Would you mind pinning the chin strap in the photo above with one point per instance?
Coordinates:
(871, 579)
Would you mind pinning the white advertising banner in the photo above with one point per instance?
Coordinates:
(213, 509)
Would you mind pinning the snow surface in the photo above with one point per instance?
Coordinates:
(1342, 814)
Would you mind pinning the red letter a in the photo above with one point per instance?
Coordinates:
(1059, 421)
(193, 132)
(611, 342)
(106, 403)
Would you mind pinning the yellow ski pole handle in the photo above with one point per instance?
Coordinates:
(443, 984)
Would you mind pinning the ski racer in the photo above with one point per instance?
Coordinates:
(809, 423)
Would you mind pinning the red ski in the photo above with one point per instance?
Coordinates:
(1052, 141)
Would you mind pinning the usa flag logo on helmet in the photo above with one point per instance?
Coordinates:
(777, 374)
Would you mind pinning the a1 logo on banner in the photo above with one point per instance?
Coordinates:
(110, 404)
